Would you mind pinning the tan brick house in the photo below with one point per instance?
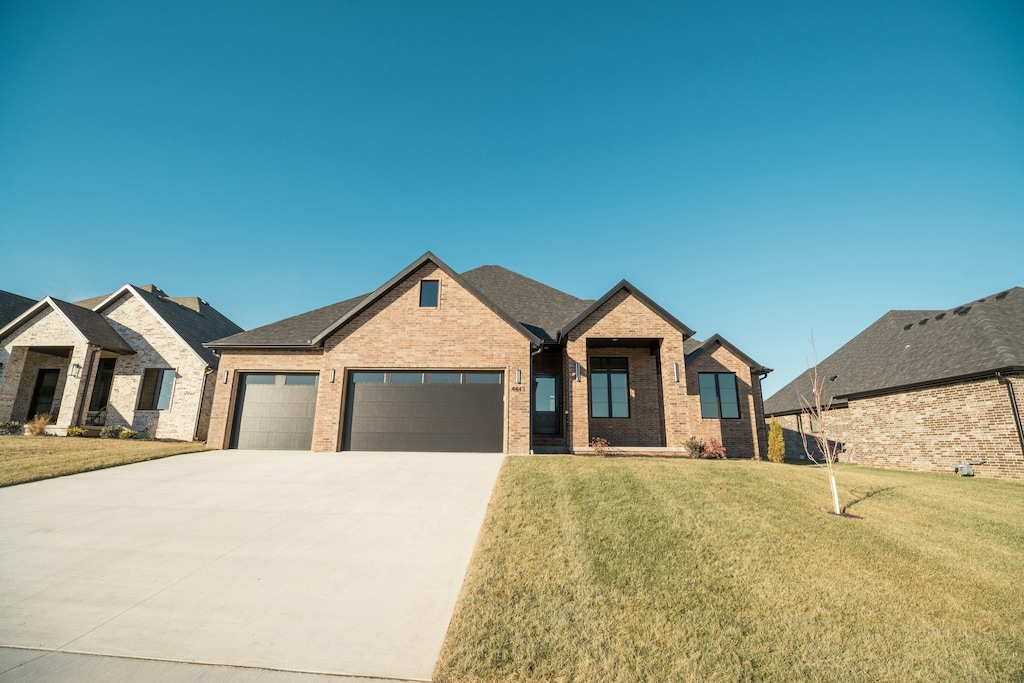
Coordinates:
(486, 360)
(925, 390)
(133, 358)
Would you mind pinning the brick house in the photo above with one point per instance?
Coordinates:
(133, 358)
(925, 390)
(487, 360)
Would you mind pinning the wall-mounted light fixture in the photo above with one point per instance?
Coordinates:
(675, 370)
(519, 376)
(225, 380)
(76, 370)
(579, 376)
(331, 380)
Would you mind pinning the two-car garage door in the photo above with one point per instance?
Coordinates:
(454, 411)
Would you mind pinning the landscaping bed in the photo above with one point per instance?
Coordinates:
(597, 569)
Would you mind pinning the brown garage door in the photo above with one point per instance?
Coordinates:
(275, 411)
(444, 410)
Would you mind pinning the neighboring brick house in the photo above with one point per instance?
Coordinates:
(925, 390)
(133, 358)
(487, 360)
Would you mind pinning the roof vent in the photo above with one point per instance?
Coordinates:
(923, 321)
(962, 310)
(980, 301)
(940, 316)
(1002, 295)
(908, 326)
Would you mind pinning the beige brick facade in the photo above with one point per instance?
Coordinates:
(931, 429)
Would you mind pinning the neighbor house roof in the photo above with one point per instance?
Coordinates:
(12, 305)
(541, 313)
(191, 318)
(89, 324)
(906, 349)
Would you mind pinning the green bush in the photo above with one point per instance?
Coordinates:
(127, 434)
(776, 442)
(694, 447)
(75, 431)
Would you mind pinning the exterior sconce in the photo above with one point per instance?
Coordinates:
(519, 376)
(675, 370)
(76, 370)
(579, 376)
(331, 380)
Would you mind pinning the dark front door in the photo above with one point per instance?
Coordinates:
(43, 394)
(546, 405)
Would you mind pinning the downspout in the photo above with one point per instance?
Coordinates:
(1013, 408)
(202, 394)
(93, 350)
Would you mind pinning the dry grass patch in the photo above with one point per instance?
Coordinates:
(653, 570)
(30, 458)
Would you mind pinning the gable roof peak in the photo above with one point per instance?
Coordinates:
(635, 291)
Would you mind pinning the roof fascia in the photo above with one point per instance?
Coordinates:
(800, 411)
(213, 346)
(34, 311)
(985, 374)
(648, 301)
(404, 273)
(134, 292)
(754, 365)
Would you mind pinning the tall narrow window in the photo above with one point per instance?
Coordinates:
(718, 395)
(609, 387)
(429, 290)
(157, 387)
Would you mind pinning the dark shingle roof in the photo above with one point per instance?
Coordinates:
(93, 326)
(297, 330)
(541, 309)
(11, 306)
(909, 348)
(195, 321)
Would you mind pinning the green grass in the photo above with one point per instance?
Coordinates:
(30, 458)
(592, 569)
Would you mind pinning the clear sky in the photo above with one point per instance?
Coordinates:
(762, 170)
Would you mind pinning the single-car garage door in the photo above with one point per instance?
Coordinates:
(275, 411)
(453, 411)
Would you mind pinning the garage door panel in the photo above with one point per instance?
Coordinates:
(424, 417)
(275, 411)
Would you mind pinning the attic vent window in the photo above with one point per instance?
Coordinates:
(429, 290)
(1002, 295)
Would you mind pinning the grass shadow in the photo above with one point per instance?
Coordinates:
(865, 496)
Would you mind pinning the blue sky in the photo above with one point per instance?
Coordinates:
(762, 170)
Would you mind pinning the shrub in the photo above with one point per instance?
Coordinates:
(10, 428)
(776, 442)
(694, 447)
(599, 445)
(111, 432)
(127, 434)
(75, 431)
(37, 425)
(714, 450)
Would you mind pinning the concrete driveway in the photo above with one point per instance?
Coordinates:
(340, 563)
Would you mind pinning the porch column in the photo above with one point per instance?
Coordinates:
(74, 387)
(10, 381)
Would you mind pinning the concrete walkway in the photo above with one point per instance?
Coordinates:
(286, 563)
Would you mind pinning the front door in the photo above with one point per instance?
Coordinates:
(43, 394)
(546, 405)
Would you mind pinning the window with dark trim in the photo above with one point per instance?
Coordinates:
(718, 395)
(157, 387)
(429, 291)
(609, 387)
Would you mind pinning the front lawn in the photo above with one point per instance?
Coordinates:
(591, 569)
(28, 458)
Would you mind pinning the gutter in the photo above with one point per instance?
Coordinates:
(1013, 407)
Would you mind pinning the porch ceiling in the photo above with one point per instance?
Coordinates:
(652, 343)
